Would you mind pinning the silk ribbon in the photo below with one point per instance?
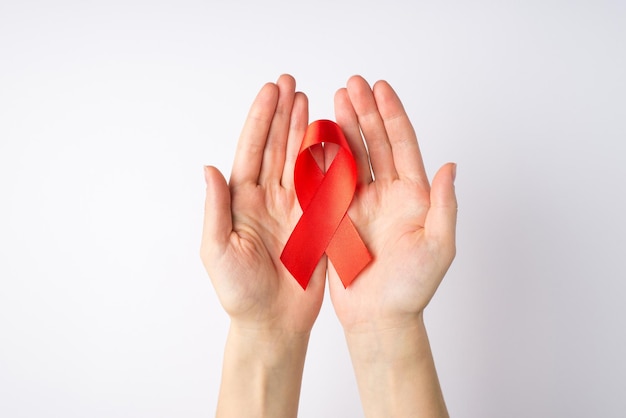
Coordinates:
(324, 199)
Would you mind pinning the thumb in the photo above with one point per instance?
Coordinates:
(218, 223)
(441, 219)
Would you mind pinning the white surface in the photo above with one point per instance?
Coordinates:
(108, 110)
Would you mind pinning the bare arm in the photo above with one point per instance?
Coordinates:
(409, 226)
(247, 222)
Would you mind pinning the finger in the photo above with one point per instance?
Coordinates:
(440, 224)
(276, 145)
(347, 119)
(404, 146)
(218, 223)
(297, 128)
(251, 145)
(373, 129)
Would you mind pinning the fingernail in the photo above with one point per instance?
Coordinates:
(453, 172)
(206, 174)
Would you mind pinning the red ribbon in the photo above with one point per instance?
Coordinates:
(324, 199)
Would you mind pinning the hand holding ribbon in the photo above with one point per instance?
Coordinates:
(408, 225)
(248, 220)
(246, 224)
(378, 187)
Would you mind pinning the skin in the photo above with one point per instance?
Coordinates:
(247, 222)
(407, 223)
(409, 227)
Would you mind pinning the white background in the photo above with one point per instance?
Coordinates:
(109, 110)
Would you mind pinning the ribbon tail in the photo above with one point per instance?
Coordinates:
(347, 252)
(302, 253)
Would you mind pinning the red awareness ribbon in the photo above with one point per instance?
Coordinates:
(324, 199)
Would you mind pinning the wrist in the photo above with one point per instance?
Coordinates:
(395, 370)
(262, 372)
(388, 341)
(272, 346)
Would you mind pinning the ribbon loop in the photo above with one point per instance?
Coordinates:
(324, 199)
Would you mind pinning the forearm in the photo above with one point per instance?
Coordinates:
(396, 373)
(262, 373)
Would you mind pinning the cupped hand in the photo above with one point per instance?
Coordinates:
(407, 223)
(248, 220)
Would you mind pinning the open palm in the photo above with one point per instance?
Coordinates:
(248, 220)
(408, 226)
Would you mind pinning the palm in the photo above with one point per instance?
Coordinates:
(407, 230)
(259, 288)
(257, 211)
(401, 278)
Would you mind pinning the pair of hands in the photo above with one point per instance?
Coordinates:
(407, 224)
